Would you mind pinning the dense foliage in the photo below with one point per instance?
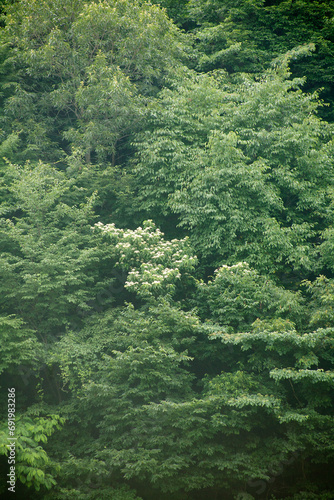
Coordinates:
(166, 250)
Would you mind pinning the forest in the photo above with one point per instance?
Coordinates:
(167, 249)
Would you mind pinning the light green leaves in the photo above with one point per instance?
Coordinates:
(31, 460)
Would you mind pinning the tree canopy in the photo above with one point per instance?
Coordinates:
(166, 249)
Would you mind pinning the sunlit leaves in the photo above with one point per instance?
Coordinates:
(32, 464)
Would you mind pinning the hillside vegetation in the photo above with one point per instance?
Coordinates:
(167, 249)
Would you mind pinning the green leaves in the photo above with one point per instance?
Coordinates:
(322, 301)
(31, 460)
(312, 375)
(108, 106)
(19, 345)
(47, 253)
(164, 378)
(238, 296)
(89, 66)
(246, 37)
(249, 177)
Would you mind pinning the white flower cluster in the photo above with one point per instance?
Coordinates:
(235, 268)
(153, 264)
